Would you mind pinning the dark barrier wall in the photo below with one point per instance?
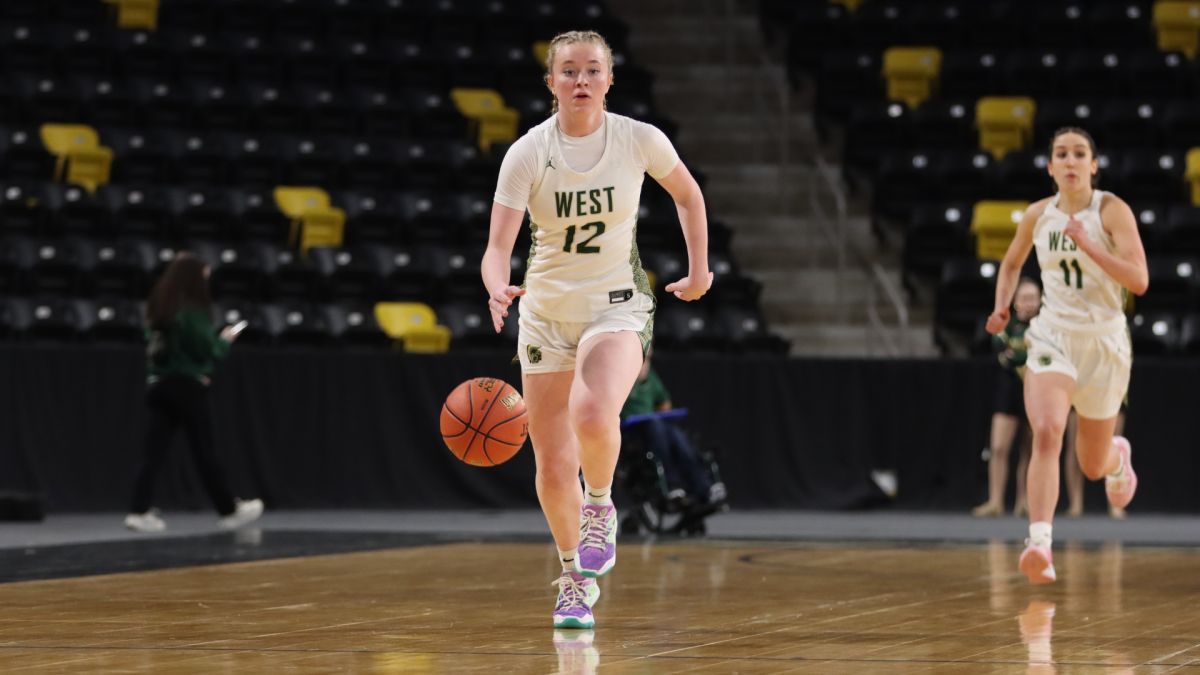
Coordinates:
(343, 429)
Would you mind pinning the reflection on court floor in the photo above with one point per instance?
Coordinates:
(702, 607)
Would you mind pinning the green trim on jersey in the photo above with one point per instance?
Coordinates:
(533, 230)
(642, 282)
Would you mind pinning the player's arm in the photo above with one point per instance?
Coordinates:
(689, 202)
(496, 266)
(1010, 268)
(1127, 262)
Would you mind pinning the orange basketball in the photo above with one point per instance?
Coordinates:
(484, 421)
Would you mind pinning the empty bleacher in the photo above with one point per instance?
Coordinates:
(947, 106)
(397, 113)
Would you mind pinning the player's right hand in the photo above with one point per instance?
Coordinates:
(499, 303)
(998, 321)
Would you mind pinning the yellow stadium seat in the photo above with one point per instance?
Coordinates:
(541, 51)
(850, 5)
(1005, 123)
(1178, 25)
(314, 221)
(80, 156)
(413, 326)
(491, 121)
(994, 224)
(912, 73)
(136, 13)
(1193, 174)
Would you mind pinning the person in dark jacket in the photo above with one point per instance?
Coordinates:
(182, 349)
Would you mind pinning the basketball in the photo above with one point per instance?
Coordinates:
(484, 421)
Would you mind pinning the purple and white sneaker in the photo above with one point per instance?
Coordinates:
(597, 540)
(576, 595)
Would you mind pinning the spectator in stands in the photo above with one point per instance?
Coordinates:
(687, 481)
(1008, 418)
(181, 353)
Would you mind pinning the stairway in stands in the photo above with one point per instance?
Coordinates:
(710, 77)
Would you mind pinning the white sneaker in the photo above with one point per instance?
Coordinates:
(145, 522)
(247, 511)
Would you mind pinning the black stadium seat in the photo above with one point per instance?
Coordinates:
(965, 292)
(1154, 334)
(936, 234)
(1174, 284)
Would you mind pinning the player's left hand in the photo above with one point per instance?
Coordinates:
(1076, 232)
(689, 289)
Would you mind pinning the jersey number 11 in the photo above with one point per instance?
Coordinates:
(1067, 271)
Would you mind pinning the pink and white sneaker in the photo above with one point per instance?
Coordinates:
(1120, 489)
(1038, 564)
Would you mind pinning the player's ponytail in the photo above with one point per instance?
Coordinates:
(1091, 145)
(570, 38)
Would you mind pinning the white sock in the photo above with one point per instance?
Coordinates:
(1039, 534)
(567, 558)
(598, 496)
(1120, 469)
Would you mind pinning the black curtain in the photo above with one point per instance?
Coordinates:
(324, 429)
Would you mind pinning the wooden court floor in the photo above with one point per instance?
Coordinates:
(703, 607)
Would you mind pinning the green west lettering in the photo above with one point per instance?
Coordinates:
(579, 203)
(594, 195)
(1055, 237)
(609, 191)
(563, 201)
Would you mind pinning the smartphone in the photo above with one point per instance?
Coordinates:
(238, 327)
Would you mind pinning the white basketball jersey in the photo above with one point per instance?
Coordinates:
(1077, 294)
(584, 259)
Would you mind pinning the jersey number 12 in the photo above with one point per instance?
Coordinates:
(1067, 272)
(583, 245)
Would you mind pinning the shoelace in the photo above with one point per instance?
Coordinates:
(595, 530)
(570, 592)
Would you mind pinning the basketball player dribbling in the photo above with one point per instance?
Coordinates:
(588, 310)
(1079, 349)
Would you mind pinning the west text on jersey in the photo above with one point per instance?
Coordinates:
(1061, 242)
(586, 202)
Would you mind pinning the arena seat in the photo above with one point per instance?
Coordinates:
(1023, 176)
(117, 320)
(1181, 123)
(943, 124)
(847, 76)
(1119, 23)
(139, 155)
(23, 206)
(23, 156)
(685, 327)
(263, 321)
(1154, 334)
(937, 233)
(874, 128)
(72, 211)
(58, 319)
(745, 331)
(1130, 123)
(1174, 285)
(244, 271)
(470, 325)
(1151, 220)
(1189, 335)
(413, 326)
(963, 174)
(303, 278)
(994, 225)
(1005, 123)
(123, 268)
(1151, 175)
(1192, 174)
(966, 292)
(1178, 25)
(58, 267)
(912, 73)
(353, 324)
(971, 74)
(1181, 236)
(142, 211)
(1158, 74)
(904, 180)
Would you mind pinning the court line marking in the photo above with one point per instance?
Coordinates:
(665, 656)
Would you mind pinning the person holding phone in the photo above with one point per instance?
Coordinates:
(182, 349)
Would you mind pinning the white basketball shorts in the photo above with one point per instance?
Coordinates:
(546, 346)
(1099, 364)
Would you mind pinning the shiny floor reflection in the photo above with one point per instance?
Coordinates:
(696, 608)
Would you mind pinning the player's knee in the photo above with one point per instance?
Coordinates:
(1093, 464)
(591, 423)
(555, 473)
(1046, 429)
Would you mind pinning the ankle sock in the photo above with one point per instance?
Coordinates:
(1120, 469)
(598, 496)
(1039, 534)
(567, 558)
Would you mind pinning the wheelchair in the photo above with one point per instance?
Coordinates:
(643, 492)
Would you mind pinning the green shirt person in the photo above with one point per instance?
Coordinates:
(648, 394)
(187, 347)
(1009, 344)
